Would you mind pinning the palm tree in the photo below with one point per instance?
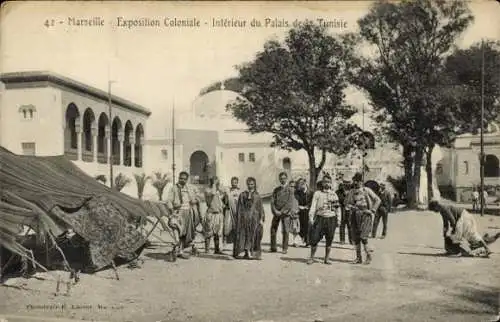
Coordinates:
(160, 181)
(141, 180)
(121, 181)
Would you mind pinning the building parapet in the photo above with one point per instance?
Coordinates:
(30, 77)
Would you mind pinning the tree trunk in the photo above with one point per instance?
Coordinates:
(408, 168)
(428, 170)
(313, 175)
(413, 196)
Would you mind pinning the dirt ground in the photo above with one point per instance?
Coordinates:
(408, 280)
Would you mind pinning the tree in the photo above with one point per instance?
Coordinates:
(463, 71)
(411, 40)
(295, 91)
(121, 181)
(140, 180)
(160, 181)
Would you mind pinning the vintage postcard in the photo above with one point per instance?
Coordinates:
(250, 161)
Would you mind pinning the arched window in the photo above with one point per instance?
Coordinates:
(102, 142)
(287, 164)
(72, 119)
(27, 111)
(491, 166)
(139, 136)
(116, 129)
(127, 149)
(88, 121)
(439, 168)
(466, 167)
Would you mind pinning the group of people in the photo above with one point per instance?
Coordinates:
(476, 199)
(237, 216)
(233, 216)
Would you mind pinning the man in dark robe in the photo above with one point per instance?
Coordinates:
(282, 202)
(250, 218)
(304, 197)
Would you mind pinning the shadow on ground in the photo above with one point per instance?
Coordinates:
(318, 259)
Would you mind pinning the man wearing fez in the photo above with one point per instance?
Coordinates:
(183, 202)
(323, 217)
(362, 204)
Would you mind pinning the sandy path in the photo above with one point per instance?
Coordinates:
(406, 282)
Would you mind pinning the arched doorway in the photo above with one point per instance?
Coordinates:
(127, 148)
(116, 130)
(199, 167)
(491, 166)
(70, 132)
(88, 140)
(139, 136)
(102, 139)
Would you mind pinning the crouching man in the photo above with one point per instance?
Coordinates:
(460, 231)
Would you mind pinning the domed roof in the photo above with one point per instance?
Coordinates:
(213, 104)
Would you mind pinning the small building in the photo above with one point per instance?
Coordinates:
(458, 172)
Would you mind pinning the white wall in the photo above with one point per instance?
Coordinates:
(46, 127)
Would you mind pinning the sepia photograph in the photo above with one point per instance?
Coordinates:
(250, 161)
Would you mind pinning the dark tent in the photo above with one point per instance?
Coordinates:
(51, 195)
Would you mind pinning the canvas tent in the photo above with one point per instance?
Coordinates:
(51, 195)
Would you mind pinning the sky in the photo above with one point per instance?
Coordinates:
(158, 67)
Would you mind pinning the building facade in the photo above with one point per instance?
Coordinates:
(214, 143)
(459, 170)
(46, 114)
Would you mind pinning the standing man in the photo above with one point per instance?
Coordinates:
(362, 203)
(344, 218)
(304, 198)
(281, 206)
(230, 202)
(484, 201)
(183, 202)
(383, 211)
(250, 218)
(475, 200)
(214, 219)
(323, 217)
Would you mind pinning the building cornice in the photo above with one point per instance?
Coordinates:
(65, 82)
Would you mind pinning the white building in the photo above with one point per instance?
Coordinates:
(45, 114)
(458, 172)
(214, 143)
